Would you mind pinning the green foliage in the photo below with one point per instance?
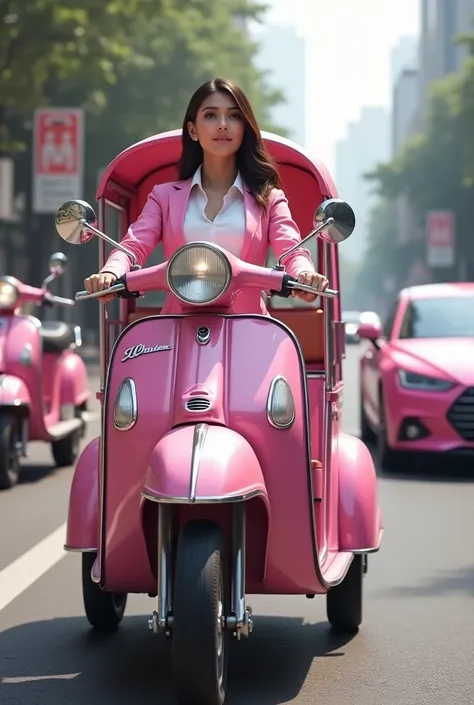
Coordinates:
(435, 167)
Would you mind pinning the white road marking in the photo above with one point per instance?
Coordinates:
(30, 679)
(32, 565)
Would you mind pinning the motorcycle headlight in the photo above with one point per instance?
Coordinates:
(199, 273)
(423, 383)
(8, 293)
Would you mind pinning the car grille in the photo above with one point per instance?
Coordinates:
(461, 415)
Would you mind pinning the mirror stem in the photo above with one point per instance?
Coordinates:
(108, 239)
(327, 222)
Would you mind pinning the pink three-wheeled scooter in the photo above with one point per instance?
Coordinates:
(43, 382)
(222, 469)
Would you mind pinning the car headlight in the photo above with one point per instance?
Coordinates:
(423, 383)
(8, 293)
(352, 328)
(199, 273)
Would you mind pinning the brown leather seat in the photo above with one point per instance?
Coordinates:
(308, 326)
(306, 323)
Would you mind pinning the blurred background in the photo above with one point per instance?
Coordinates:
(381, 92)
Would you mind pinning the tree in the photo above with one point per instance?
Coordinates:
(132, 64)
(435, 168)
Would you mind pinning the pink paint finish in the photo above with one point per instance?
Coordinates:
(226, 468)
(299, 530)
(13, 392)
(446, 359)
(359, 513)
(82, 531)
(39, 382)
(162, 380)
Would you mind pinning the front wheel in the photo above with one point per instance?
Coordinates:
(344, 601)
(9, 460)
(200, 639)
(104, 610)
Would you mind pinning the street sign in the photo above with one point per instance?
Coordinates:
(440, 239)
(58, 157)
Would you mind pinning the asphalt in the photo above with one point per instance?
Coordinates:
(414, 648)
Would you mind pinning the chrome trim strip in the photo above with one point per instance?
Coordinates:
(200, 433)
(79, 550)
(315, 375)
(224, 499)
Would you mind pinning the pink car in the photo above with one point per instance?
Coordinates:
(417, 376)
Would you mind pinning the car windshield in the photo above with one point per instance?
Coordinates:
(451, 317)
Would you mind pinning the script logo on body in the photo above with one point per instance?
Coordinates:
(140, 349)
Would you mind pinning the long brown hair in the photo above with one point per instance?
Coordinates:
(258, 168)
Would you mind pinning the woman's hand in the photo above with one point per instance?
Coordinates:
(99, 282)
(311, 279)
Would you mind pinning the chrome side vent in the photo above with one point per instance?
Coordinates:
(198, 404)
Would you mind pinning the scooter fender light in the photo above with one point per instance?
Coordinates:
(126, 405)
(280, 404)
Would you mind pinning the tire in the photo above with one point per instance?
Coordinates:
(66, 450)
(9, 460)
(366, 432)
(104, 610)
(387, 459)
(199, 644)
(344, 601)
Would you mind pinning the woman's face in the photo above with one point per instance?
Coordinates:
(219, 125)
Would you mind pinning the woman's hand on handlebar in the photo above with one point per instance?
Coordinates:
(99, 282)
(311, 279)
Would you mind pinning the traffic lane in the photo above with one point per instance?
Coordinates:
(414, 645)
(38, 504)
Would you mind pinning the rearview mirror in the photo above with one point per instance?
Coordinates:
(57, 263)
(342, 217)
(72, 221)
(370, 331)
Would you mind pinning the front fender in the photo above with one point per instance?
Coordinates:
(360, 521)
(13, 392)
(82, 533)
(203, 464)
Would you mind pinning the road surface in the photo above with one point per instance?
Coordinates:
(415, 646)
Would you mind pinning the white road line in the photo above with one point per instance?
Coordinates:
(32, 565)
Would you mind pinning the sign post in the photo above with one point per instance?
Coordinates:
(58, 157)
(440, 239)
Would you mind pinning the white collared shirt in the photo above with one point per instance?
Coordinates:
(228, 228)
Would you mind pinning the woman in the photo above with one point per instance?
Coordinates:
(228, 193)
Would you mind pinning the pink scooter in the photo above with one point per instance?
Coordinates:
(43, 382)
(222, 469)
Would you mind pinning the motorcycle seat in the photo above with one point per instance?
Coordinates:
(57, 336)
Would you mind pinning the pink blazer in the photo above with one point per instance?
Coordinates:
(162, 221)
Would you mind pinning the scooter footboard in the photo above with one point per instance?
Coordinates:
(360, 522)
(82, 533)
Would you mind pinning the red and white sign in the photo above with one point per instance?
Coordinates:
(440, 239)
(58, 157)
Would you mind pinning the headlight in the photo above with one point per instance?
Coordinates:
(199, 273)
(8, 293)
(422, 383)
